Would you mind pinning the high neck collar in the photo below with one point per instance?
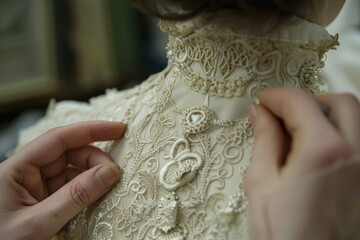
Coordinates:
(221, 54)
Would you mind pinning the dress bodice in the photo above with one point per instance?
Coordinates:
(188, 142)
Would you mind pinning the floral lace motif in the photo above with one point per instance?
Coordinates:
(188, 142)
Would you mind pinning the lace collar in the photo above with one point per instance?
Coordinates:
(221, 54)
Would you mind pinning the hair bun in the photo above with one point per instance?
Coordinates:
(312, 10)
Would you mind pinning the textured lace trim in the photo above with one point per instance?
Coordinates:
(213, 87)
(208, 63)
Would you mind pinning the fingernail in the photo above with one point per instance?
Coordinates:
(107, 175)
(252, 114)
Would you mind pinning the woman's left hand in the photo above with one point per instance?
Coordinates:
(45, 184)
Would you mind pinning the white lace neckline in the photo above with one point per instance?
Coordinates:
(224, 60)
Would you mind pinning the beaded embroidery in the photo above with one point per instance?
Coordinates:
(197, 119)
(246, 54)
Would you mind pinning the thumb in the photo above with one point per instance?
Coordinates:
(59, 208)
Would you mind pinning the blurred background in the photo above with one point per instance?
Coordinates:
(75, 49)
(65, 49)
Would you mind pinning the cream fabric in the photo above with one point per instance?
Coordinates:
(188, 142)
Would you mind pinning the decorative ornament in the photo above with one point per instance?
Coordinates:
(168, 210)
(197, 119)
(183, 167)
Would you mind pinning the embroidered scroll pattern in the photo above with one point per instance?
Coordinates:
(184, 166)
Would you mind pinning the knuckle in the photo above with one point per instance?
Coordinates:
(56, 129)
(336, 144)
(56, 134)
(79, 195)
(334, 147)
(293, 93)
(53, 131)
(299, 93)
(31, 226)
(349, 99)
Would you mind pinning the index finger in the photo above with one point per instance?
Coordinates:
(296, 108)
(310, 131)
(52, 144)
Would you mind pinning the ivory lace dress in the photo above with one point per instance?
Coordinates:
(188, 142)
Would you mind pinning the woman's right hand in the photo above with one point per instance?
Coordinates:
(304, 178)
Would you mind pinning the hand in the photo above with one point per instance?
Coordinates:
(46, 183)
(294, 142)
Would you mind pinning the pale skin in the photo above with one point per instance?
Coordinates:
(295, 139)
(49, 181)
